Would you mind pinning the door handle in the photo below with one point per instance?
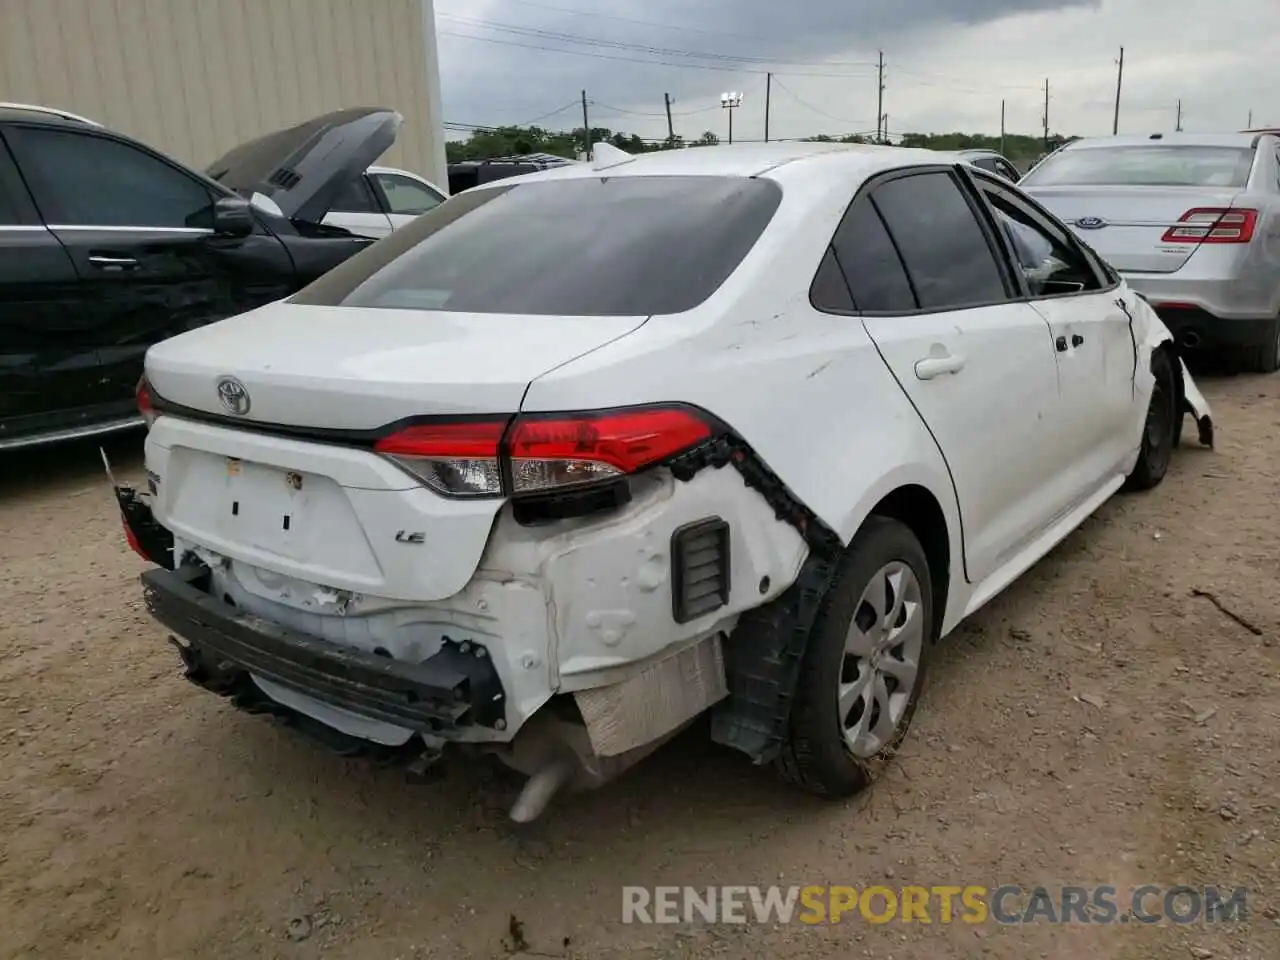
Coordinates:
(112, 263)
(1060, 344)
(931, 367)
(1076, 339)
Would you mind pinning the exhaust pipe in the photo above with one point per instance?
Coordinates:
(1191, 339)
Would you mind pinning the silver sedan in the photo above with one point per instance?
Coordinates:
(1192, 221)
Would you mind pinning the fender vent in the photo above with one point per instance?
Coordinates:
(699, 568)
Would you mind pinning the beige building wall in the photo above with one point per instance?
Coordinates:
(194, 78)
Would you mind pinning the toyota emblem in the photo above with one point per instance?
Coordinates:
(1091, 223)
(233, 395)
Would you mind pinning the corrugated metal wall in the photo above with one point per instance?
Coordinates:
(196, 77)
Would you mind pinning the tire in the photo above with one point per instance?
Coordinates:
(1264, 357)
(817, 754)
(1160, 429)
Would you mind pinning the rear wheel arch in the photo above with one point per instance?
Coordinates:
(918, 509)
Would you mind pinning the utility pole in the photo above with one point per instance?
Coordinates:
(880, 98)
(768, 90)
(1178, 124)
(1115, 120)
(1249, 125)
(731, 102)
(671, 130)
(884, 127)
(586, 125)
(1046, 115)
(1002, 128)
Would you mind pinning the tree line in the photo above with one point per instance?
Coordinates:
(518, 141)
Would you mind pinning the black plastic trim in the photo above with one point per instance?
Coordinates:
(457, 687)
(154, 540)
(682, 609)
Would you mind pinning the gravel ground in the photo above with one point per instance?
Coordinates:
(1103, 721)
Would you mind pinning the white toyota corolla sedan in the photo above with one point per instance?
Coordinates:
(578, 456)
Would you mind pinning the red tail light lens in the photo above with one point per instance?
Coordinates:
(145, 405)
(1213, 225)
(550, 452)
(458, 458)
(132, 539)
(467, 458)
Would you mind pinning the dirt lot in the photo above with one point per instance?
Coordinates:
(1100, 722)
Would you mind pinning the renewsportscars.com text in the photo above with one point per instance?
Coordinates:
(1008, 904)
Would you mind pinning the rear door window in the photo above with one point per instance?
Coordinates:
(405, 195)
(941, 243)
(10, 184)
(80, 179)
(355, 196)
(870, 262)
(589, 246)
(829, 291)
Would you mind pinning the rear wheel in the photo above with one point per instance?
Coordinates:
(864, 666)
(1265, 357)
(1161, 426)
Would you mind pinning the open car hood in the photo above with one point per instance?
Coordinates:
(301, 168)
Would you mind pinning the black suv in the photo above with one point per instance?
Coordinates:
(465, 174)
(107, 246)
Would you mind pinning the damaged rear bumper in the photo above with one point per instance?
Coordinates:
(1197, 406)
(223, 646)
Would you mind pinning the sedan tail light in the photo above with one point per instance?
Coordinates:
(1213, 225)
(537, 453)
(458, 458)
(146, 406)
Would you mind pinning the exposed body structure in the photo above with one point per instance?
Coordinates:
(747, 432)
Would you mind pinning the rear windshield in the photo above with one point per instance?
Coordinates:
(600, 246)
(1155, 165)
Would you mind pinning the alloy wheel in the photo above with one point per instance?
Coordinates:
(881, 659)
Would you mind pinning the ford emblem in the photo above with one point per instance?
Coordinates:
(233, 396)
(1091, 223)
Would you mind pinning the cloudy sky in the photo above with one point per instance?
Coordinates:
(949, 63)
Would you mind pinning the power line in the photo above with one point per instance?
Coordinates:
(809, 106)
(658, 115)
(550, 113)
(680, 28)
(605, 56)
(939, 80)
(813, 69)
(599, 42)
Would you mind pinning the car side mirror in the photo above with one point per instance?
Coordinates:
(232, 217)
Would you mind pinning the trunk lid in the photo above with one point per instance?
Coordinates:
(1125, 224)
(336, 514)
(301, 168)
(352, 369)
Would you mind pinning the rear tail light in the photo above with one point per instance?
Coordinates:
(561, 451)
(542, 453)
(132, 539)
(1213, 225)
(146, 406)
(458, 458)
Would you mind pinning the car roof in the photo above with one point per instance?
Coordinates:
(747, 160)
(36, 113)
(1170, 139)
